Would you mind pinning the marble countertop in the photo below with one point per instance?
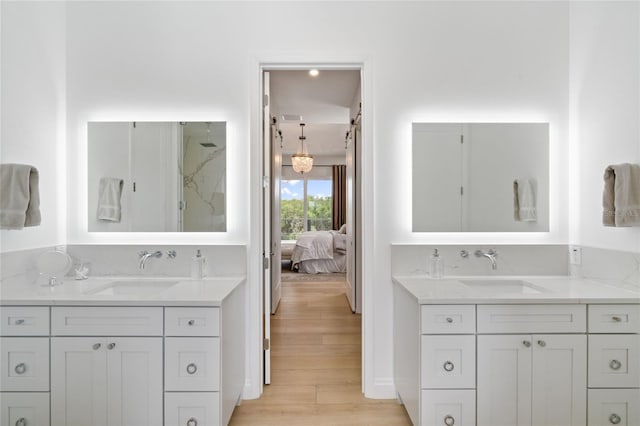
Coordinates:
(129, 291)
(537, 289)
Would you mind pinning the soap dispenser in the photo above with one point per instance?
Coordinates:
(436, 267)
(197, 266)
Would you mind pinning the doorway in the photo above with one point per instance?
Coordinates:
(319, 115)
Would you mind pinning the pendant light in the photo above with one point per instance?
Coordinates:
(302, 161)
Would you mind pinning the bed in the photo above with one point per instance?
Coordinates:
(320, 252)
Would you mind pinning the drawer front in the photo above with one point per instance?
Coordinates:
(609, 407)
(24, 364)
(106, 321)
(192, 364)
(614, 361)
(448, 319)
(448, 407)
(24, 409)
(532, 319)
(448, 362)
(24, 320)
(614, 318)
(192, 322)
(192, 409)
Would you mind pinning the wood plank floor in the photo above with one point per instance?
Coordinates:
(315, 365)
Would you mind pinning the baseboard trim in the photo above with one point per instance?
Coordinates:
(383, 388)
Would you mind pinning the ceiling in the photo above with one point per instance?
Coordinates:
(323, 102)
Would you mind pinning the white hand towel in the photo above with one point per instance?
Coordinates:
(524, 200)
(19, 196)
(109, 194)
(621, 196)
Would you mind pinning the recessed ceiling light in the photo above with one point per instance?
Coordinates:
(314, 73)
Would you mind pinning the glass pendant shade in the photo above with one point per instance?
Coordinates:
(302, 161)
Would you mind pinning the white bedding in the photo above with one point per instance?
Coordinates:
(320, 252)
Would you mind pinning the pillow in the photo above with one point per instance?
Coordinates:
(343, 229)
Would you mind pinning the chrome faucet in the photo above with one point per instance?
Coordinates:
(145, 255)
(490, 254)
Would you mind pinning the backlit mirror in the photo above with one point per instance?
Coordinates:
(480, 177)
(157, 176)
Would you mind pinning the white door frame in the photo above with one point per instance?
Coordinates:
(255, 306)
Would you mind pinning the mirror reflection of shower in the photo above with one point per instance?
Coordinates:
(203, 173)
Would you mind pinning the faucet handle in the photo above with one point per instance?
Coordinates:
(142, 253)
(492, 252)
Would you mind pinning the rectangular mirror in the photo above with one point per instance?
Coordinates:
(157, 176)
(480, 177)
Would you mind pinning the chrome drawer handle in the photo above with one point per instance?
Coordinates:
(191, 322)
(616, 319)
(111, 346)
(21, 368)
(449, 421)
(526, 343)
(449, 320)
(542, 343)
(615, 364)
(96, 346)
(448, 366)
(21, 422)
(192, 422)
(614, 419)
(20, 322)
(192, 368)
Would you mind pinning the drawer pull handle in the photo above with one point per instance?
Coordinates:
(615, 364)
(449, 421)
(111, 346)
(191, 322)
(21, 368)
(96, 346)
(192, 368)
(616, 319)
(449, 320)
(20, 322)
(21, 422)
(542, 343)
(526, 343)
(192, 422)
(448, 366)
(614, 419)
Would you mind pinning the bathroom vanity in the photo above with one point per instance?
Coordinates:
(516, 351)
(122, 351)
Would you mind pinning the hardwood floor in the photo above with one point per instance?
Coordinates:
(315, 365)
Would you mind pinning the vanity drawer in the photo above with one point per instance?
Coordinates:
(614, 318)
(532, 319)
(192, 409)
(24, 320)
(24, 364)
(192, 322)
(448, 319)
(106, 321)
(24, 408)
(448, 407)
(613, 407)
(192, 364)
(448, 362)
(614, 361)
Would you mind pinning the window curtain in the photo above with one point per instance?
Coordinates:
(339, 211)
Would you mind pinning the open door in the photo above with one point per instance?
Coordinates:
(276, 231)
(351, 199)
(266, 228)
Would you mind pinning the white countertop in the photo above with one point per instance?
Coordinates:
(543, 289)
(210, 291)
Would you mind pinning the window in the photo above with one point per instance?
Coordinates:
(305, 205)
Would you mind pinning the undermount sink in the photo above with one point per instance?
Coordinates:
(132, 288)
(503, 286)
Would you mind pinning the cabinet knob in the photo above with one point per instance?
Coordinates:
(192, 368)
(21, 422)
(96, 346)
(111, 346)
(614, 419)
(192, 422)
(19, 321)
(20, 368)
(526, 343)
(616, 319)
(615, 364)
(191, 322)
(449, 320)
(542, 343)
(448, 366)
(449, 420)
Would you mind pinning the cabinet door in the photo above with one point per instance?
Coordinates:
(454, 407)
(78, 381)
(134, 377)
(504, 380)
(192, 409)
(448, 362)
(559, 380)
(24, 408)
(614, 407)
(24, 364)
(614, 361)
(192, 364)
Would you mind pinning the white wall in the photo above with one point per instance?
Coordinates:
(33, 111)
(605, 120)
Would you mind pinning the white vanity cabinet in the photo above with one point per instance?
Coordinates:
(24, 365)
(614, 365)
